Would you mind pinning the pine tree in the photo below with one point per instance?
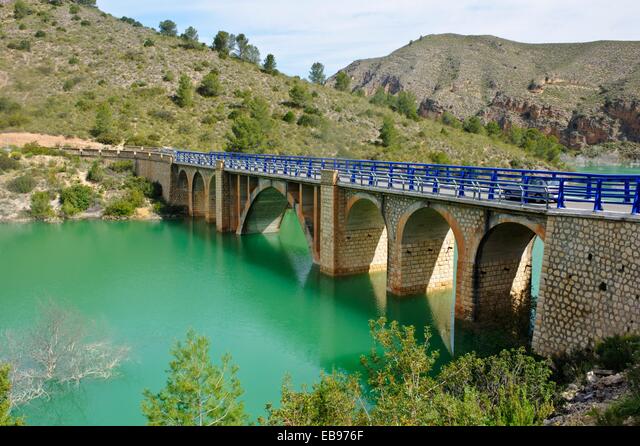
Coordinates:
(198, 393)
(168, 28)
(269, 64)
(222, 44)
(210, 85)
(343, 82)
(388, 133)
(316, 75)
(184, 95)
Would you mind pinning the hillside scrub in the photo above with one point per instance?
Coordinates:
(118, 85)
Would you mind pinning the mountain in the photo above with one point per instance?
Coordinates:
(583, 93)
(64, 67)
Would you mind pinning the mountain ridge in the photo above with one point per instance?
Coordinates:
(584, 93)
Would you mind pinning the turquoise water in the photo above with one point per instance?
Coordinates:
(258, 297)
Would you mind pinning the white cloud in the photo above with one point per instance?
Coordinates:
(336, 32)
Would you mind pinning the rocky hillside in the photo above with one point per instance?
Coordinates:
(63, 69)
(584, 93)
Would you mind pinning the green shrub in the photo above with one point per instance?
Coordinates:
(34, 149)
(148, 42)
(120, 207)
(7, 163)
(76, 199)
(122, 166)
(473, 125)
(147, 188)
(41, 206)
(449, 119)
(617, 353)
(74, 9)
(40, 34)
(210, 85)
(289, 117)
(22, 184)
(20, 45)
(21, 10)
(96, 172)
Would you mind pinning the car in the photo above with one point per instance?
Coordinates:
(537, 190)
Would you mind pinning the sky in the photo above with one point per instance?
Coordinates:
(337, 32)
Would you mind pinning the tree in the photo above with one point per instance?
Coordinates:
(168, 28)
(380, 97)
(252, 128)
(343, 81)
(210, 85)
(389, 136)
(5, 399)
(269, 65)
(316, 75)
(222, 44)
(61, 348)
(406, 104)
(198, 393)
(190, 34)
(493, 128)
(337, 400)
(103, 129)
(184, 94)
(241, 45)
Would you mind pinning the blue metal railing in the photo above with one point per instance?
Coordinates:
(531, 188)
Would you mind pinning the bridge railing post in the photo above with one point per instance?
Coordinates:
(597, 205)
(636, 200)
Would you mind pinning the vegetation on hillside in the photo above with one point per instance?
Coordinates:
(44, 184)
(128, 84)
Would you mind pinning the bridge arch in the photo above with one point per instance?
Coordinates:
(502, 276)
(181, 195)
(424, 251)
(198, 196)
(365, 240)
(265, 209)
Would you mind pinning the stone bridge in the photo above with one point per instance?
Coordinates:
(426, 239)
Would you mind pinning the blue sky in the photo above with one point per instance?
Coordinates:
(337, 32)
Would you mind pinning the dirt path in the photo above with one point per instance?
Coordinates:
(19, 139)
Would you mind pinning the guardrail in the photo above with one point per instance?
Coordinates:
(530, 188)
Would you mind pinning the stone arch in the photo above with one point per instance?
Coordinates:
(502, 276)
(365, 241)
(265, 209)
(211, 200)
(181, 196)
(198, 196)
(424, 250)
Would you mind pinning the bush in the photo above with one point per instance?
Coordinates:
(617, 353)
(343, 81)
(449, 119)
(22, 184)
(41, 206)
(147, 188)
(21, 10)
(389, 136)
(76, 199)
(20, 45)
(289, 117)
(125, 206)
(96, 172)
(473, 125)
(7, 163)
(308, 120)
(40, 34)
(184, 94)
(122, 166)
(299, 95)
(210, 85)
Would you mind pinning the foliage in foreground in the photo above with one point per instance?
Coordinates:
(198, 393)
(511, 388)
(5, 402)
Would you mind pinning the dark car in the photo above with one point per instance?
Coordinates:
(537, 190)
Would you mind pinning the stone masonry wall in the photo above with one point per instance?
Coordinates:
(591, 286)
(156, 171)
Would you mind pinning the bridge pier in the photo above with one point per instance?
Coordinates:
(223, 198)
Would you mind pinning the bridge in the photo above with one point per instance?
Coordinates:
(430, 225)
